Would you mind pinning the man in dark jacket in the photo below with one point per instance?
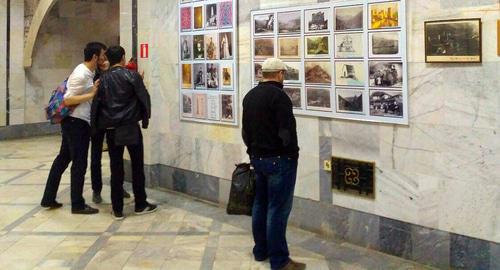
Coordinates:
(269, 132)
(123, 101)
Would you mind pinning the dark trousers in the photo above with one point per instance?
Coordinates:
(136, 153)
(95, 160)
(74, 148)
(275, 184)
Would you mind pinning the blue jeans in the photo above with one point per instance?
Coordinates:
(275, 184)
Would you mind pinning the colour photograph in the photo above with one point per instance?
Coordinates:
(318, 72)
(198, 17)
(264, 48)
(225, 14)
(226, 71)
(186, 19)
(317, 46)
(384, 15)
(211, 50)
(186, 76)
(289, 47)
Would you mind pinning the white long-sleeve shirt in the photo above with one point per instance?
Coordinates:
(80, 82)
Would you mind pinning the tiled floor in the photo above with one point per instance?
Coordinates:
(184, 234)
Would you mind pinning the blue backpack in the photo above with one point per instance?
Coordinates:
(56, 110)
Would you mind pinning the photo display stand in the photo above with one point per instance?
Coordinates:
(208, 66)
(345, 60)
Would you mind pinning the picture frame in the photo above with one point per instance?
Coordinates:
(198, 18)
(349, 45)
(295, 95)
(350, 73)
(289, 22)
(317, 20)
(257, 72)
(317, 46)
(227, 108)
(453, 41)
(212, 77)
(199, 47)
(384, 15)
(318, 99)
(385, 74)
(226, 76)
(186, 72)
(226, 14)
(226, 45)
(211, 17)
(384, 44)
(187, 104)
(386, 103)
(318, 72)
(349, 18)
(185, 17)
(186, 47)
(264, 48)
(293, 72)
(289, 47)
(211, 46)
(349, 100)
(199, 76)
(200, 106)
(213, 107)
(263, 24)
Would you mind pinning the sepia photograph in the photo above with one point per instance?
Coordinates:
(199, 47)
(318, 72)
(349, 18)
(199, 75)
(295, 96)
(264, 24)
(200, 106)
(350, 100)
(212, 76)
(226, 45)
(186, 50)
(186, 19)
(453, 41)
(386, 74)
(211, 50)
(227, 108)
(350, 73)
(349, 45)
(384, 44)
(317, 20)
(186, 76)
(198, 17)
(386, 103)
(317, 46)
(211, 16)
(289, 22)
(213, 109)
(289, 47)
(264, 48)
(318, 99)
(293, 71)
(225, 14)
(226, 76)
(187, 105)
(257, 72)
(384, 15)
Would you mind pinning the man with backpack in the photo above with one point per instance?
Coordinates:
(76, 132)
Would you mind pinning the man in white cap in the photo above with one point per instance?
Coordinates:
(270, 134)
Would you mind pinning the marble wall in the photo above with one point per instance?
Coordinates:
(442, 171)
(3, 56)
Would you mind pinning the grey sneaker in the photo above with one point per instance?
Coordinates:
(96, 197)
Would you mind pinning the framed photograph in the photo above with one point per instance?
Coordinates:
(227, 108)
(211, 50)
(186, 19)
(289, 47)
(199, 76)
(187, 105)
(317, 46)
(293, 71)
(212, 76)
(498, 37)
(186, 49)
(185, 1)
(386, 103)
(264, 48)
(349, 18)
(263, 24)
(200, 106)
(453, 41)
(257, 72)
(384, 44)
(226, 14)
(318, 99)
(213, 108)
(198, 17)
(350, 100)
(199, 47)
(384, 15)
(318, 72)
(226, 45)
(289, 22)
(349, 45)
(294, 93)
(350, 73)
(386, 74)
(317, 20)
(226, 71)
(211, 16)
(186, 76)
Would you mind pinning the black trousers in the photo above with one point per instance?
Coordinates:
(95, 160)
(74, 148)
(136, 153)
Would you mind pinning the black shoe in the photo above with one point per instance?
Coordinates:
(86, 210)
(96, 197)
(126, 195)
(117, 215)
(52, 205)
(262, 259)
(150, 208)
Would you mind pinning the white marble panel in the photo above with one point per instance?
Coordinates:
(126, 26)
(307, 185)
(16, 117)
(3, 51)
(17, 77)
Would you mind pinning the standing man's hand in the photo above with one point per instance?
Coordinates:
(96, 87)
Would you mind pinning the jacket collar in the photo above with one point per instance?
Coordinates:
(273, 83)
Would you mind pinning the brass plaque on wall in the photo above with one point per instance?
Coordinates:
(353, 176)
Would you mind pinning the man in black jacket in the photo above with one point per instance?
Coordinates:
(269, 132)
(122, 101)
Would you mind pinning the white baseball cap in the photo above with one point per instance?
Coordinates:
(272, 65)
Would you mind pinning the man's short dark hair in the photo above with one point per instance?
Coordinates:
(115, 54)
(93, 48)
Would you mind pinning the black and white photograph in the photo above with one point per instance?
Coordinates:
(213, 107)
(212, 76)
(294, 94)
(317, 46)
(211, 50)
(226, 45)
(293, 71)
(349, 18)
(257, 72)
(349, 100)
(386, 74)
(453, 41)
(318, 99)
(264, 47)
(318, 72)
(289, 22)
(227, 108)
(199, 76)
(384, 44)
(289, 47)
(263, 24)
(317, 20)
(386, 103)
(199, 47)
(226, 71)
(211, 16)
(187, 105)
(186, 49)
(349, 45)
(350, 73)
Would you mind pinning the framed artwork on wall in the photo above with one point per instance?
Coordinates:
(384, 15)
(349, 18)
(289, 22)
